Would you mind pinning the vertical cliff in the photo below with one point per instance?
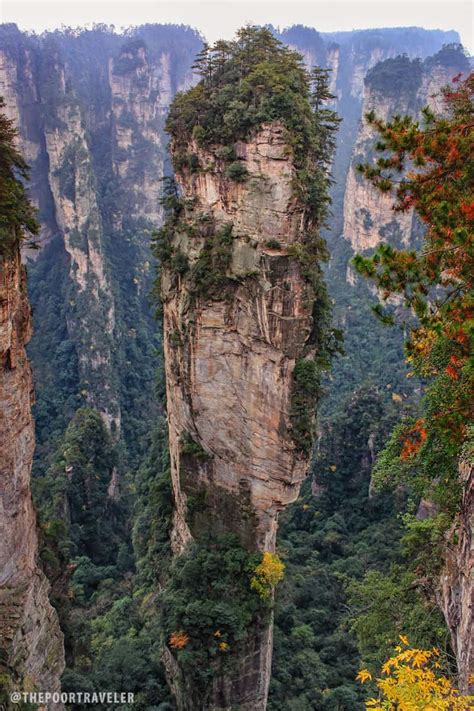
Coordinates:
(350, 56)
(243, 326)
(91, 317)
(31, 644)
(368, 214)
(456, 589)
(91, 108)
(230, 354)
(394, 86)
(231, 346)
(32, 655)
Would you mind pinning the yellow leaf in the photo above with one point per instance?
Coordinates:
(363, 675)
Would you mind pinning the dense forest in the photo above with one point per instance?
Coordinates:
(354, 580)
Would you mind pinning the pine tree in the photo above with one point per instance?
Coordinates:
(327, 120)
(435, 283)
(203, 64)
(17, 215)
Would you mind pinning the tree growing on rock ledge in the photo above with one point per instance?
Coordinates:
(17, 214)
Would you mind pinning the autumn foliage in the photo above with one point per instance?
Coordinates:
(267, 574)
(412, 680)
(413, 439)
(178, 640)
(428, 167)
(439, 188)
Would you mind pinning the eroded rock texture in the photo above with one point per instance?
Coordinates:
(456, 594)
(90, 116)
(231, 343)
(369, 217)
(31, 643)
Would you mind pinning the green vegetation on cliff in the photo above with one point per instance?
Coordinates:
(435, 283)
(247, 83)
(105, 601)
(209, 610)
(395, 77)
(17, 215)
(347, 593)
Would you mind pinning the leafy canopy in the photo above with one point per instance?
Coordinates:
(267, 574)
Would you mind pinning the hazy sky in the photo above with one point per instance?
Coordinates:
(221, 18)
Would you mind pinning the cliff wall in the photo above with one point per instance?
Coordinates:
(456, 590)
(90, 111)
(31, 643)
(229, 379)
(398, 86)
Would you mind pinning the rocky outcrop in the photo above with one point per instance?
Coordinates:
(140, 98)
(456, 593)
(91, 318)
(368, 214)
(369, 217)
(31, 643)
(230, 353)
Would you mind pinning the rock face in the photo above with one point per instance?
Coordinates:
(230, 353)
(90, 120)
(79, 220)
(31, 643)
(456, 595)
(368, 214)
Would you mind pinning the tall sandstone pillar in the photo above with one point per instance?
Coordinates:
(245, 337)
(235, 324)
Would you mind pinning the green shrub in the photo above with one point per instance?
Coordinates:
(273, 244)
(305, 392)
(209, 610)
(208, 277)
(17, 215)
(237, 171)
